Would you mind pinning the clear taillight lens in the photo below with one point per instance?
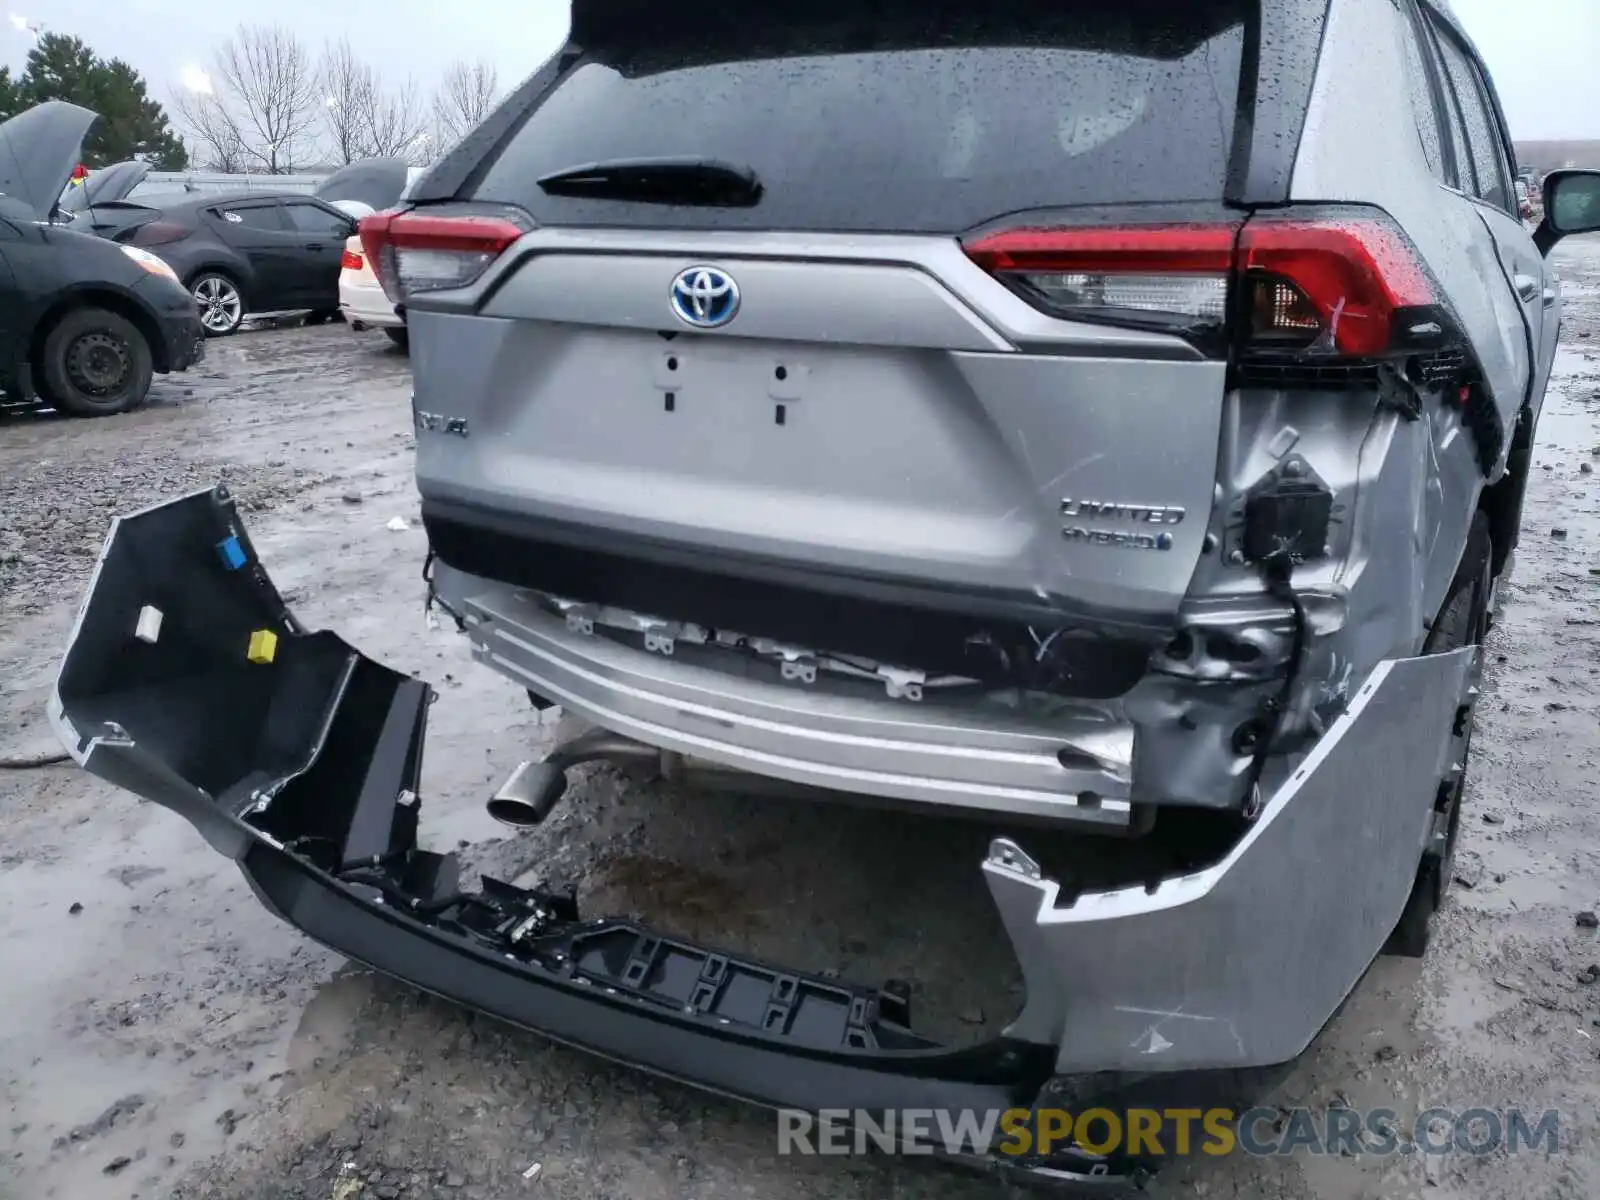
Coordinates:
(1202, 297)
(413, 252)
(1177, 273)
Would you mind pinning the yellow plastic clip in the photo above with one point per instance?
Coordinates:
(263, 646)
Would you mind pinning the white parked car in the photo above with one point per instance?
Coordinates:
(362, 299)
(361, 296)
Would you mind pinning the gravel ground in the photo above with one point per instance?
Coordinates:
(164, 1036)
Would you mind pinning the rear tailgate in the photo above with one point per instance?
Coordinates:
(856, 397)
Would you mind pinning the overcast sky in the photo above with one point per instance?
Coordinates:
(1544, 54)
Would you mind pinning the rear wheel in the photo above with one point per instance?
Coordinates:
(400, 337)
(221, 303)
(96, 363)
(1462, 622)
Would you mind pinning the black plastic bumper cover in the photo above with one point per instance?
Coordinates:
(299, 757)
(186, 343)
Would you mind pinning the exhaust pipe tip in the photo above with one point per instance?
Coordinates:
(529, 796)
(516, 813)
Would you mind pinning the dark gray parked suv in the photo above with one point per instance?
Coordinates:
(1107, 419)
(241, 252)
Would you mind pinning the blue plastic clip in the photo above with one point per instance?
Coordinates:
(232, 553)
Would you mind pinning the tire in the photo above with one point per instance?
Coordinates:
(1462, 621)
(221, 303)
(400, 337)
(1507, 528)
(96, 363)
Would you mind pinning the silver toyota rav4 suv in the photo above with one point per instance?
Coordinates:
(1101, 418)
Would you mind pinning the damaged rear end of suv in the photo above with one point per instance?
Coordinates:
(1104, 421)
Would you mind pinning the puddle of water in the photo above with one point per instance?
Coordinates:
(1570, 361)
(168, 983)
(326, 1023)
(1469, 1004)
(38, 927)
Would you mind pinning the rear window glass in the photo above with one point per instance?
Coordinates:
(900, 121)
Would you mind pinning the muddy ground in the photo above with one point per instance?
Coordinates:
(162, 1035)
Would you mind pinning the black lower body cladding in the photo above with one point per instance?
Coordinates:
(186, 342)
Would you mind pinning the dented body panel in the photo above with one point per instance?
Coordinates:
(1234, 964)
(1213, 647)
(884, 420)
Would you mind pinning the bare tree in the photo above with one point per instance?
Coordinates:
(216, 142)
(265, 93)
(465, 96)
(349, 86)
(364, 117)
(393, 122)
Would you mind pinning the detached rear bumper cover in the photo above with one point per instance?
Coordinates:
(304, 765)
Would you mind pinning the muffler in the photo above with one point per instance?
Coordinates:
(534, 789)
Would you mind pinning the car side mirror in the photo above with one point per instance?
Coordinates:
(1571, 205)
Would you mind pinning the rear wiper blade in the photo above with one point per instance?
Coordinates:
(695, 181)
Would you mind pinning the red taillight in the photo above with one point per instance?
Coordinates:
(1331, 281)
(415, 252)
(1151, 250)
(1352, 275)
(157, 233)
(351, 261)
